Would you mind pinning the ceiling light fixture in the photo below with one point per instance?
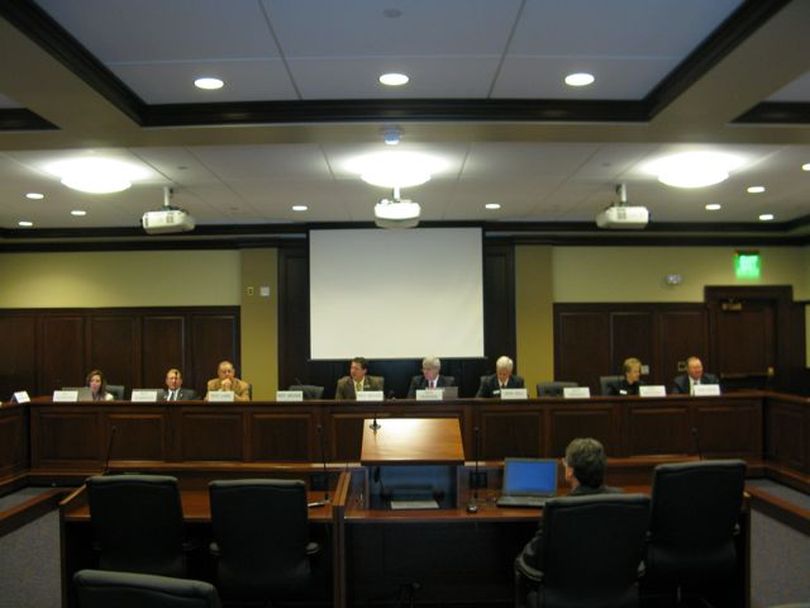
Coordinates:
(397, 212)
(299, 207)
(209, 84)
(35, 196)
(579, 79)
(96, 175)
(693, 169)
(395, 169)
(78, 213)
(392, 136)
(25, 223)
(766, 217)
(394, 79)
(806, 167)
(713, 207)
(756, 190)
(492, 206)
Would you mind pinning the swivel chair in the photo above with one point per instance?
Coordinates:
(311, 391)
(553, 389)
(102, 589)
(117, 391)
(695, 508)
(606, 381)
(138, 523)
(260, 535)
(591, 551)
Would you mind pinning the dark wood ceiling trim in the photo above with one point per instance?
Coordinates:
(748, 17)
(771, 112)
(40, 27)
(20, 119)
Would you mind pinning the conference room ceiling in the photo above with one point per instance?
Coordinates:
(486, 97)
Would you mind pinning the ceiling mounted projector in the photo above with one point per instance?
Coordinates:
(396, 212)
(622, 216)
(168, 220)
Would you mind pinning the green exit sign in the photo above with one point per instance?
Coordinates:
(747, 265)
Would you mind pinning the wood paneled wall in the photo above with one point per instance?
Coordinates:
(295, 364)
(592, 340)
(46, 349)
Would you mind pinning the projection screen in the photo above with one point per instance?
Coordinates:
(396, 294)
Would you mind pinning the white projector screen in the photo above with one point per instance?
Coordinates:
(396, 294)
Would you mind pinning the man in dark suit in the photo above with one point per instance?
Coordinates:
(174, 390)
(584, 465)
(429, 378)
(684, 384)
(502, 378)
(358, 380)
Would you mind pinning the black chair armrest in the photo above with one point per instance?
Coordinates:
(313, 548)
(213, 549)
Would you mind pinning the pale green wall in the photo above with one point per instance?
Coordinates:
(534, 314)
(119, 279)
(259, 322)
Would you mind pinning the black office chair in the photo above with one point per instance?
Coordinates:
(553, 389)
(102, 589)
(606, 381)
(261, 538)
(591, 551)
(138, 524)
(693, 523)
(117, 391)
(311, 391)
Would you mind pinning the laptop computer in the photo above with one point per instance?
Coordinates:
(449, 393)
(528, 482)
(83, 392)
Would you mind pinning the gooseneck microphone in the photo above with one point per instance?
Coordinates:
(323, 459)
(696, 438)
(113, 430)
(375, 426)
(472, 506)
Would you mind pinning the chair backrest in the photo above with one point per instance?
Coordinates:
(117, 391)
(138, 523)
(605, 381)
(311, 391)
(261, 532)
(592, 548)
(693, 519)
(553, 389)
(102, 589)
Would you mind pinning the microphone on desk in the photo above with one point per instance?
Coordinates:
(113, 430)
(323, 459)
(391, 395)
(375, 426)
(472, 505)
(696, 437)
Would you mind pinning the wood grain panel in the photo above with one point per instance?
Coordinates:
(213, 338)
(729, 428)
(61, 352)
(632, 335)
(582, 347)
(211, 436)
(163, 339)
(66, 436)
(113, 344)
(284, 436)
(569, 423)
(346, 436)
(138, 436)
(13, 440)
(745, 339)
(659, 430)
(787, 439)
(18, 356)
(511, 432)
(681, 334)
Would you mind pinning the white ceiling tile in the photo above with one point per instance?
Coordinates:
(7, 103)
(292, 161)
(526, 159)
(797, 91)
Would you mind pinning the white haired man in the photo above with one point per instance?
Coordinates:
(502, 378)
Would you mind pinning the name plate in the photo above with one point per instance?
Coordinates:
(654, 390)
(430, 394)
(65, 396)
(144, 395)
(221, 396)
(577, 392)
(289, 395)
(21, 397)
(514, 393)
(706, 390)
(370, 396)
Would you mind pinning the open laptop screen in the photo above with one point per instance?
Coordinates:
(529, 476)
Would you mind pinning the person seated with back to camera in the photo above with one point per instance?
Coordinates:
(584, 462)
(97, 384)
(502, 378)
(357, 381)
(429, 378)
(226, 380)
(685, 383)
(631, 382)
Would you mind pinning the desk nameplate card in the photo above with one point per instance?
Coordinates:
(514, 393)
(653, 390)
(287, 396)
(221, 396)
(577, 392)
(706, 390)
(430, 394)
(21, 397)
(65, 396)
(144, 395)
(370, 396)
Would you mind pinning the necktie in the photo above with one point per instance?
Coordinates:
(358, 387)
(172, 395)
(432, 384)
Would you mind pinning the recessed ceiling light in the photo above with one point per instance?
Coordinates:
(392, 136)
(806, 167)
(756, 190)
(693, 169)
(580, 79)
(299, 207)
(394, 79)
(395, 169)
(96, 175)
(25, 223)
(766, 217)
(78, 212)
(209, 84)
(492, 206)
(713, 207)
(35, 196)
